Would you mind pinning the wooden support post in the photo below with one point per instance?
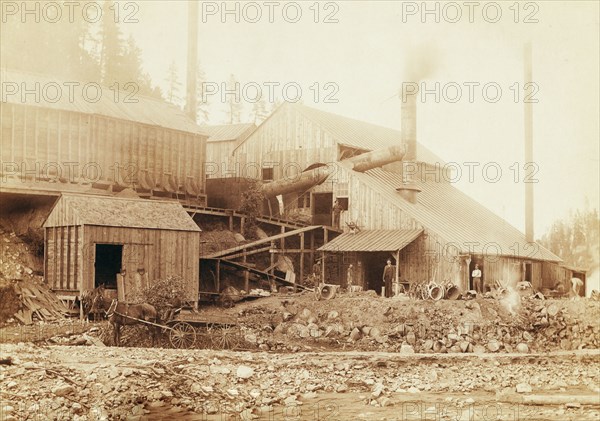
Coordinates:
(325, 235)
(397, 268)
(272, 265)
(246, 274)
(301, 259)
(322, 267)
(218, 275)
(231, 222)
(312, 248)
(282, 246)
(242, 224)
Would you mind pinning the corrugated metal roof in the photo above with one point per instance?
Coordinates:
(146, 110)
(74, 209)
(456, 217)
(228, 132)
(372, 240)
(360, 134)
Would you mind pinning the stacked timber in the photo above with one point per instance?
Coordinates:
(38, 303)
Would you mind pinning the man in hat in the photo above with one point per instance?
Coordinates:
(350, 277)
(337, 210)
(316, 271)
(389, 273)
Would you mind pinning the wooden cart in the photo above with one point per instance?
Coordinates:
(189, 327)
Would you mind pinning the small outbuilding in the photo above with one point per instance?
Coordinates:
(121, 243)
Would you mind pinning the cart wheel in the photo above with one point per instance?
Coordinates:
(182, 335)
(225, 337)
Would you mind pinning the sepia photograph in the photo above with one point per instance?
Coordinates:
(301, 210)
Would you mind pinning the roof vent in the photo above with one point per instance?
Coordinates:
(409, 192)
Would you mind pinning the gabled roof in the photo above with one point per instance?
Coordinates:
(109, 211)
(372, 240)
(455, 217)
(360, 134)
(228, 132)
(146, 110)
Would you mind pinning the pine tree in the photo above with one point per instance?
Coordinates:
(202, 104)
(259, 111)
(111, 48)
(234, 103)
(173, 86)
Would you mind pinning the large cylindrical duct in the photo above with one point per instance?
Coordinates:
(377, 158)
(304, 181)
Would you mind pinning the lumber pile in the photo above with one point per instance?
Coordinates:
(38, 303)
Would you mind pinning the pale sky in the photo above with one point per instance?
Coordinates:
(367, 54)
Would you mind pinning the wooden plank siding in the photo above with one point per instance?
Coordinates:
(63, 258)
(106, 149)
(70, 263)
(161, 253)
(289, 143)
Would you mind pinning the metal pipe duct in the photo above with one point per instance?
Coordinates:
(377, 158)
(408, 132)
(408, 190)
(303, 182)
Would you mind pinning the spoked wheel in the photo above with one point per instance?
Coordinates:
(223, 337)
(182, 335)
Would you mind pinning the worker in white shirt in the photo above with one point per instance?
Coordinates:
(477, 280)
(576, 285)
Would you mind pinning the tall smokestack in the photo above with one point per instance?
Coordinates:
(528, 134)
(192, 59)
(408, 115)
(408, 136)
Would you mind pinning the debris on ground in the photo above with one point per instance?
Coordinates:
(30, 302)
(130, 383)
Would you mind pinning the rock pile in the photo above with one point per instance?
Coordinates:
(85, 383)
(476, 326)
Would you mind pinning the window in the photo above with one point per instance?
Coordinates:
(267, 174)
(343, 201)
(342, 195)
(304, 200)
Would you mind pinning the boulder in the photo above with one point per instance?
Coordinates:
(523, 388)
(244, 372)
(493, 345)
(355, 335)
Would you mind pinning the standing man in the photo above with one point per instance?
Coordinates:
(337, 210)
(477, 280)
(316, 272)
(350, 277)
(389, 273)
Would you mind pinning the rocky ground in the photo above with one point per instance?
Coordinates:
(93, 383)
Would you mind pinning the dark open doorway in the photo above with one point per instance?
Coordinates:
(527, 272)
(476, 261)
(108, 264)
(322, 204)
(374, 264)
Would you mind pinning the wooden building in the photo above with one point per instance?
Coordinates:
(222, 141)
(95, 240)
(456, 232)
(95, 139)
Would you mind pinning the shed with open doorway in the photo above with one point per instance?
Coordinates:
(122, 243)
